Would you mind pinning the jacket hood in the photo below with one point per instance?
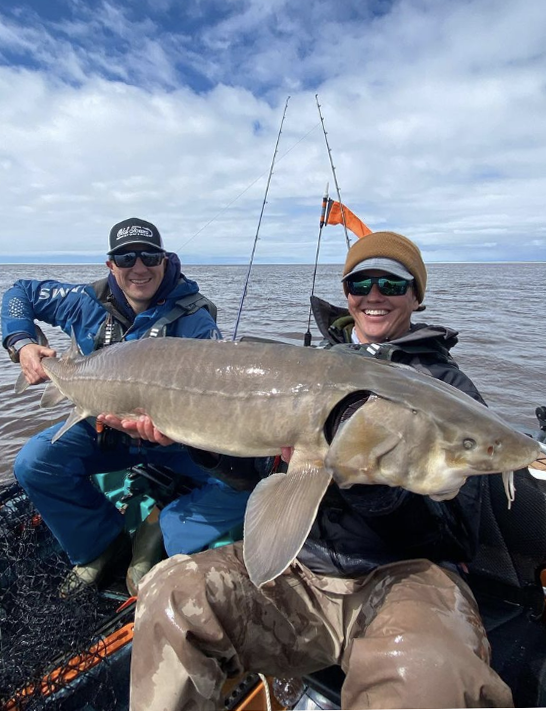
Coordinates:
(173, 286)
(336, 325)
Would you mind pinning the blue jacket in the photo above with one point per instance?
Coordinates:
(85, 307)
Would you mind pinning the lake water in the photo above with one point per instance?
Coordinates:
(499, 309)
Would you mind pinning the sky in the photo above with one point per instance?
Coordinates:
(171, 111)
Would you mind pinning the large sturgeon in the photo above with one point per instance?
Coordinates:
(251, 399)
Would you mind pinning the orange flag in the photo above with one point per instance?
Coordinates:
(334, 217)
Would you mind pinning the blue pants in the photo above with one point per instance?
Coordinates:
(193, 522)
(56, 478)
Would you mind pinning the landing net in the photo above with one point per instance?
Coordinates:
(42, 635)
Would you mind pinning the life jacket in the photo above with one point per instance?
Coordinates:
(115, 324)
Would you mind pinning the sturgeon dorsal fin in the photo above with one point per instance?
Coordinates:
(278, 518)
(74, 350)
(51, 396)
(73, 419)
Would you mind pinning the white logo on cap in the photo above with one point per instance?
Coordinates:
(134, 231)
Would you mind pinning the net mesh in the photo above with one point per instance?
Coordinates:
(43, 635)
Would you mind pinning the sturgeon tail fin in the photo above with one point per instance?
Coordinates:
(41, 337)
(21, 384)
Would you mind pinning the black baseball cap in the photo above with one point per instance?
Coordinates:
(133, 231)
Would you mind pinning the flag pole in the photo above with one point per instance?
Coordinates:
(307, 336)
(245, 289)
(333, 173)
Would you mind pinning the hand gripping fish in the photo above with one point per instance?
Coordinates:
(250, 399)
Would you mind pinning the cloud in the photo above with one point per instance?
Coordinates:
(171, 112)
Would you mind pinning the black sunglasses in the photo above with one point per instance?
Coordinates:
(126, 260)
(388, 286)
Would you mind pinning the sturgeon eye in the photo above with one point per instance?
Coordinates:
(469, 443)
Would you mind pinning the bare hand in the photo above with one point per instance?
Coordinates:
(30, 360)
(286, 454)
(143, 428)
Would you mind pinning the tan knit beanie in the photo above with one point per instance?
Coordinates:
(392, 246)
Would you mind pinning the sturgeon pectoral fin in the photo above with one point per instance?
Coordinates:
(52, 396)
(73, 419)
(279, 516)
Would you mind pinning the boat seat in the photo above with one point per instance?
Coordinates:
(505, 578)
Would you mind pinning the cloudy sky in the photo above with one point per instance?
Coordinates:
(170, 110)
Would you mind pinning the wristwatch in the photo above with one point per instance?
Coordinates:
(13, 350)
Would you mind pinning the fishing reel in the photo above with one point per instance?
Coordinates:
(108, 439)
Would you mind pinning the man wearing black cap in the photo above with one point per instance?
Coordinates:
(144, 295)
(139, 279)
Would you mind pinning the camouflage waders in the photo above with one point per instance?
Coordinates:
(408, 635)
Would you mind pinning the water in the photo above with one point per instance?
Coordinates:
(499, 310)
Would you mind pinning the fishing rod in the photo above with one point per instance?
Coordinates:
(307, 337)
(245, 289)
(221, 212)
(333, 172)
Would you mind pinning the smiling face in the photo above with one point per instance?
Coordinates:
(381, 318)
(139, 283)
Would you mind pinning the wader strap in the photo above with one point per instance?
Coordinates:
(110, 331)
(401, 353)
(381, 351)
(183, 307)
(112, 328)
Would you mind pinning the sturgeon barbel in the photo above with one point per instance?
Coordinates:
(251, 399)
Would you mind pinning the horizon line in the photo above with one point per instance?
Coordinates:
(268, 264)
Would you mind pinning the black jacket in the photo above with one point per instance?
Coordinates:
(359, 528)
